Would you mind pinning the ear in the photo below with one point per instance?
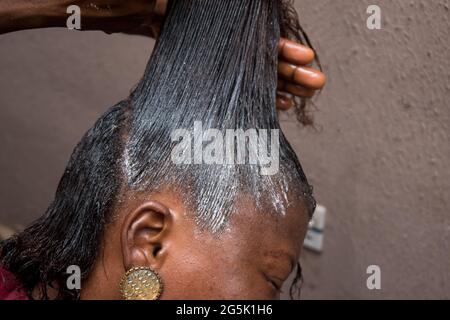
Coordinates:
(144, 235)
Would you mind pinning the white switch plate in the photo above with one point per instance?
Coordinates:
(314, 235)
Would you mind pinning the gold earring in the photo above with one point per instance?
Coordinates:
(141, 283)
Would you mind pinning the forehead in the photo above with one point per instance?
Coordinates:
(269, 231)
(248, 231)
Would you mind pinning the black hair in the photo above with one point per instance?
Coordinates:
(214, 62)
(70, 231)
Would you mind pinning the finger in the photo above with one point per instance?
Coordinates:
(299, 91)
(280, 84)
(295, 90)
(284, 103)
(295, 53)
(304, 76)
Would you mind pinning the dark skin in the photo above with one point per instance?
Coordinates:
(253, 256)
(144, 17)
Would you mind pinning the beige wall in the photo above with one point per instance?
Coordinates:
(379, 161)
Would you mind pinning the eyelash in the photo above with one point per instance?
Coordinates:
(274, 285)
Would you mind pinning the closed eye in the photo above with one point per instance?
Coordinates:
(275, 283)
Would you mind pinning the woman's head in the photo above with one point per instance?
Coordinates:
(249, 259)
(146, 187)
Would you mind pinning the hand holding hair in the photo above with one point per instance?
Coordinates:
(144, 17)
(295, 77)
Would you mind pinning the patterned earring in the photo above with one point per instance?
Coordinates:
(141, 283)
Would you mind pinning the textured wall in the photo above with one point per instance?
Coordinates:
(379, 161)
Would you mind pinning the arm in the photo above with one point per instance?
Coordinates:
(131, 16)
(18, 15)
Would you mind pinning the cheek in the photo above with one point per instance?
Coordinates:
(211, 274)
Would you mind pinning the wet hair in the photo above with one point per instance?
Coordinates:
(215, 62)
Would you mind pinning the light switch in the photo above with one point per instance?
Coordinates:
(314, 235)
